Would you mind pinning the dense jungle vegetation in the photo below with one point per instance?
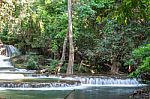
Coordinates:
(109, 36)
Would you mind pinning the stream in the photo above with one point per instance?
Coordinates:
(85, 93)
(23, 84)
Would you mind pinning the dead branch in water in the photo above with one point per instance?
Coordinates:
(69, 94)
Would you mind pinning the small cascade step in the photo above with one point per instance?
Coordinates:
(95, 80)
(109, 81)
(37, 85)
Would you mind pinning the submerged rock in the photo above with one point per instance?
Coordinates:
(145, 76)
(141, 94)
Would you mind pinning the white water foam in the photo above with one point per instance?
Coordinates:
(98, 81)
(4, 62)
(114, 85)
(11, 76)
(52, 88)
(85, 82)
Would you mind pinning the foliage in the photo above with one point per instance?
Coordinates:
(142, 52)
(142, 56)
(105, 31)
(52, 65)
(145, 67)
(64, 68)
(32, 61)
(133, 10)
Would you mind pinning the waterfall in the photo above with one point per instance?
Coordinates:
(4, 59)
(4, 62)
(103, 80)
(37, 85)
(11, 51)
(60, 80)
(94, 80)
(40, 85)
(109, 81)
(52, 82)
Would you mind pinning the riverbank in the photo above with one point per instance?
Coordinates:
(143, 93)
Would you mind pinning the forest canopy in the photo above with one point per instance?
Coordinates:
(106, 33)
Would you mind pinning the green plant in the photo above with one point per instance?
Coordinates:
(64, 68)
(32, 61)
(52, 65)
(142, 57)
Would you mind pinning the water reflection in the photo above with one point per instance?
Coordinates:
(88, 93)
(104, 93)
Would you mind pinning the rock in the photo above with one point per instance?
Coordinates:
(145, 76)
(2, 98)
(43, 71)
(141, 94)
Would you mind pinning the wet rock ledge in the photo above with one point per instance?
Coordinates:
(141, 94)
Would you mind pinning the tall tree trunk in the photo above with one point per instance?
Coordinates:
(115, 67)
(63, 54)
(71, 47)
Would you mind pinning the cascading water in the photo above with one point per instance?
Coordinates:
(4, 62)
(109, 81)
(5, 65)
(61, 82)
(104, 81)
(64, 83)
(4, 59)
(38, 85)
(11, 51)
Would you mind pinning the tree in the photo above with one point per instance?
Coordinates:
(63, 55)
(107, 38)
(71, 47)
(104, 31)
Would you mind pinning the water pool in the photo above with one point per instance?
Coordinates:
(85, 93)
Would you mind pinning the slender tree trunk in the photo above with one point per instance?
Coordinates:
(63, 54)
(71, 47)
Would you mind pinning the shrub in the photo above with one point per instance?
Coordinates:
(142, 58)
(32, 61)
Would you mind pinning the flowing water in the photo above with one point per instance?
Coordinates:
(4, 63)
(11, 51)
(86, 93)
(20, 83)
(58, 87)
(4, 60)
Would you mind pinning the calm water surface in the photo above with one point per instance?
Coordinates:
(87, 93)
